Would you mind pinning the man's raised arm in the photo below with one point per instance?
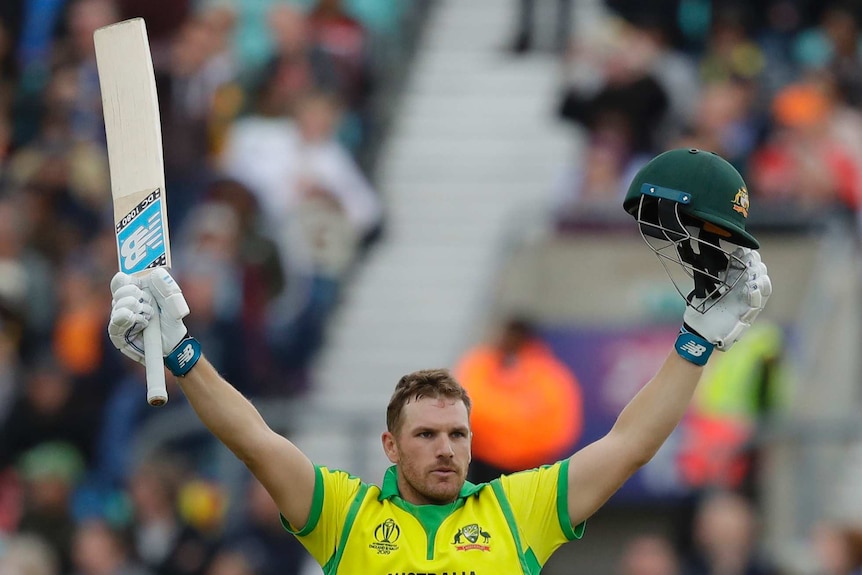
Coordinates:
(598, 470)
(285, 472)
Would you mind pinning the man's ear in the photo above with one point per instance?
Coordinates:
(389, 446)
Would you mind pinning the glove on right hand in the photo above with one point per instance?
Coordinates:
(133, 304)
(725, 322)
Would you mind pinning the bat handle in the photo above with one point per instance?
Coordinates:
(157, 393)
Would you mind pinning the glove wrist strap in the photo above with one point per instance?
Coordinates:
(184, 356)
(693, 348)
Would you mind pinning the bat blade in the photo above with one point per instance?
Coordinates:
(134, 138)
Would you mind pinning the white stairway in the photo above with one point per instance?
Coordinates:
(475, 140)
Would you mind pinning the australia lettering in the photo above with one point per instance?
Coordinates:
(432, 573)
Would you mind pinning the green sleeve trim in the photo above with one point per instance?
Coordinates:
(316, 508)
(526, 568)
(563, 505)
(532, 561)
(331, 566)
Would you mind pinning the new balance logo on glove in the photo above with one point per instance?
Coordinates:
(188, 353)
(184, 357)
(693, 348)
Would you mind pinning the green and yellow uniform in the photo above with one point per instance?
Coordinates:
(510, 525)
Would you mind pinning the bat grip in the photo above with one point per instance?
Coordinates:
(157, 393)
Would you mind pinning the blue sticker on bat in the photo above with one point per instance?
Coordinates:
(141, 236)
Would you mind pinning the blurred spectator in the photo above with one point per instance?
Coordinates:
(345, 45)
(232, 562)
(67, 171)
(224, 78)
(197, 69)
(834, 45)
(46, 411)
(27, 298)
(674, 70)
(99, 549)
(265, 276)
(611, 85)
(317, 202)
(730, 52)
(32, 36)
(290, 72)
(7, 86)
(164, 19)
(202, 504)
(49, 474)
(725, 538)
(123, 413)
(258, 251)
(209, 267)
(803, 164)
(330, 187)
(649, 555)
(597, 181)
(783, 21)
(28, 555)
(260, 539)
(726, 121)
(10, 367)
(527, 407)
(85, 105)
(161, 539)
(79, 325)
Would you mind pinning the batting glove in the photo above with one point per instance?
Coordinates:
(724, 323)
(134, 301)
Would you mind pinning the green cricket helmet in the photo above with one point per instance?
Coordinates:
(691, 207)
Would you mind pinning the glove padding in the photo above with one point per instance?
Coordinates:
(133, 304)
(725, 322)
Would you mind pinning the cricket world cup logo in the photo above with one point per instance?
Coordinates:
(385, 536)
(141, 235)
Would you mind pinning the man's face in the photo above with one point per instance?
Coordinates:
(431, 450)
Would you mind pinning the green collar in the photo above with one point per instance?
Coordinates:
(390, 486)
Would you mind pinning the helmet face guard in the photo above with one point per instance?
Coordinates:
(689, 250)
(691, 207)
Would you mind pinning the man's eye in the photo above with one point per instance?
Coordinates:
(459, 434)
(425, 434)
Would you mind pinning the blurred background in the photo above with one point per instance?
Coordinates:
(362, 188)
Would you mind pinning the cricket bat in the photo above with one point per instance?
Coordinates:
(134, 136)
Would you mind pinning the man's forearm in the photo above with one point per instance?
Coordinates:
(285, 472)
(222, 409)
(650, 417)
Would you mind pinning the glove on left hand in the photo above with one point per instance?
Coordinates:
(725, 322)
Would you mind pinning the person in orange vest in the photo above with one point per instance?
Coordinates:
(528, 408)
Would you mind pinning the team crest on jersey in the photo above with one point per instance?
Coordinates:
(740, 202)
(468, 537)
(385, 536)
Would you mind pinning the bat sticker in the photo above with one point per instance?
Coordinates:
(141, 235)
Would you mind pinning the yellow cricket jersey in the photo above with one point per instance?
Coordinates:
(508, 526)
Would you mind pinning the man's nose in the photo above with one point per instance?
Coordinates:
(444, 447)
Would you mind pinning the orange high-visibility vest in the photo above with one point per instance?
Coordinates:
(526, 411)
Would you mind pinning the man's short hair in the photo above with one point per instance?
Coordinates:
(433, 383)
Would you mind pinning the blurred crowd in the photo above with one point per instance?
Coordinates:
(724, 538)
(270, 118)
(775, 87)
(771, 85)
